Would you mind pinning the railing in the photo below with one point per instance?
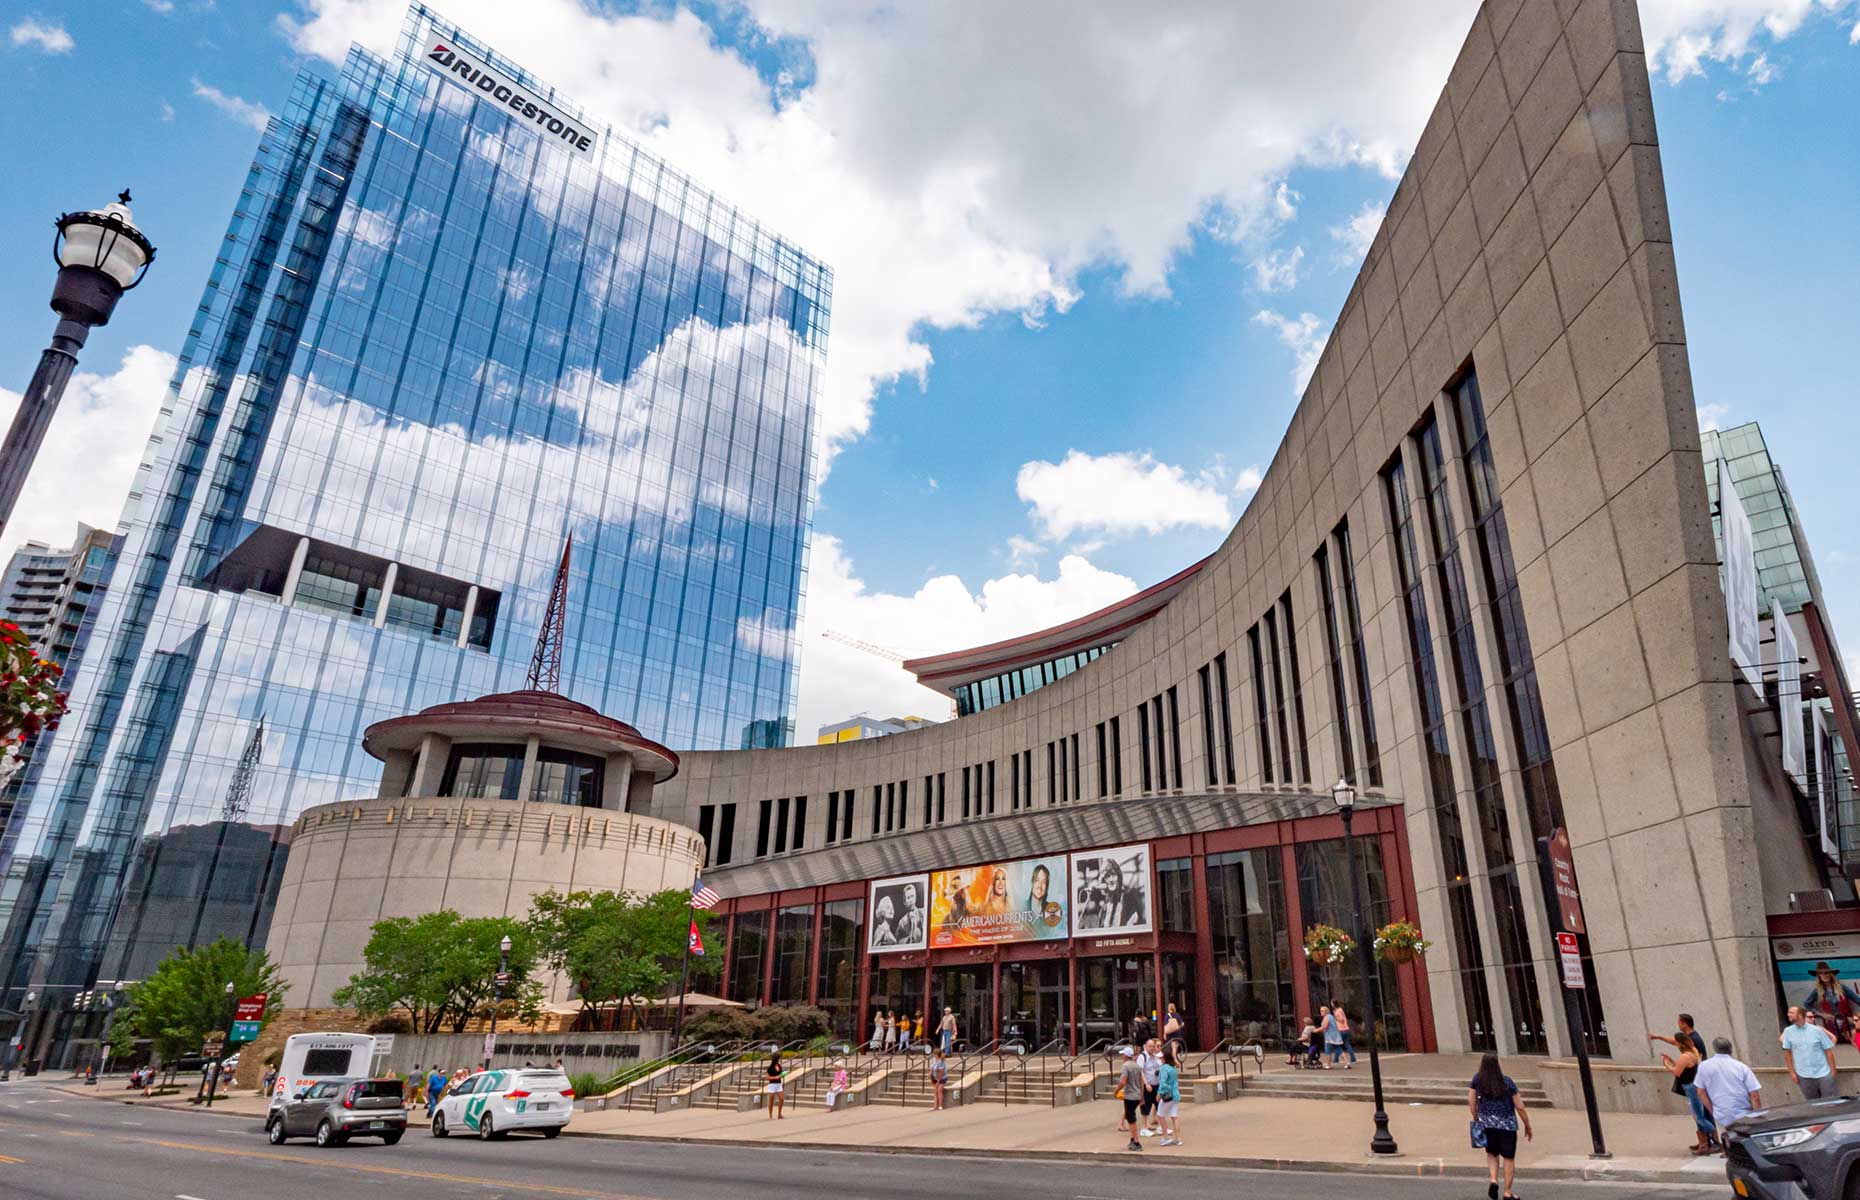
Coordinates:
(1238, 1055)
(1015, 1050)
(693, 1052)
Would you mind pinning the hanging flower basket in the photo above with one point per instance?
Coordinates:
(30, 701)
(1400, 942)
(1326, 945)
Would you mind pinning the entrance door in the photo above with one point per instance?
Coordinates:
(1034, 1006)
(969, 991)
(1114, 992)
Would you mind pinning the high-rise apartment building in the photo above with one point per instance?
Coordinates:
(454, 323)
(47, 591)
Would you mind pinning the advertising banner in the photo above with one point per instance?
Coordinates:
(1022, 901)
(896, 914)
(1739, 578)
(1815, 971)
(1825, 794)
(1789, 694)
(1111, 891)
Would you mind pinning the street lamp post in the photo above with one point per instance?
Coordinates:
(112, 1000)
(213, 1076)
(19, 1035)
(1345, 796)
(497, 995)
(100, 255)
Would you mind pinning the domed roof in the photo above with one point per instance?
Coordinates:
(554, 718)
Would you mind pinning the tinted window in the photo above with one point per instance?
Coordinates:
(379, 1087)
(543, 1081)
(327, 1062)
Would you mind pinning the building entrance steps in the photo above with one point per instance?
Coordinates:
(1406, 1079)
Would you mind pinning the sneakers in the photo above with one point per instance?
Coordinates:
(1149, 1132)
(1134, 1145)
(1169, 1141)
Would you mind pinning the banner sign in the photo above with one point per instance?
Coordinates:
(1814, 970)
(1022, 901)
(1789, 695)
(1738, 575)
(1111, 891)
(1563, 878)
(897, 913)
(250, 1008)
(490, 84)
(1825, 792)
(243, 1031)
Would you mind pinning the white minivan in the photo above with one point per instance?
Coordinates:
(314, 1057)
(493, 1103)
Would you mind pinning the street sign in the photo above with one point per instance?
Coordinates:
(1563, 879)
(490, 1044)
(243, 1031)
(212, 1049)
(384, 1044)
(1570, 954)
(250, 1008)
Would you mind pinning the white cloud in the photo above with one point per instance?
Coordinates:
(246, 112)
(1250, 479)
(1278, 270)
(164, 7)
(838, 680)
(50, 38)
(167, 111)
(1117, 494)
(1303, 335)
(1684, 37)
(1713, 416)
(1853, 35)
(1024, 551)
(1354, 236)
(952, 162)
(88, 460)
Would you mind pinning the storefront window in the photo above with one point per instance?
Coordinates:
(1324, 896)
(895, 990)
(842, 932)
(1113, 993)
(747, 946)
(794, 938)
(970, 992)
(1176, 894)
(1034, 1006)
(1252, 959)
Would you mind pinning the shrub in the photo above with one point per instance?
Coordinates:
(719, 1025)
(390, 1024)
(784, 1023)
(587, 1083)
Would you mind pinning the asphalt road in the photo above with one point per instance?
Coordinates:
(55, 1146)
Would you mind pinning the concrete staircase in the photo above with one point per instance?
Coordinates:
(1356, 1086)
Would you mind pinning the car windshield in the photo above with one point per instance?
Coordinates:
(543, 1081)
(379, 1087)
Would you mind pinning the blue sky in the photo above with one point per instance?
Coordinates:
(1058, 257)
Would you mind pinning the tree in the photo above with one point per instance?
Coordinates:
(184, 997)
(440, 970)
(617, 946)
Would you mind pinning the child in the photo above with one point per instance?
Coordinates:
(837, 1089)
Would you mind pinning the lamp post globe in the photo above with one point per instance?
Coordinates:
(100, 255)
(1343, 794)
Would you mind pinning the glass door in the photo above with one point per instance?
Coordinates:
(969, 991)
(1033, 1002)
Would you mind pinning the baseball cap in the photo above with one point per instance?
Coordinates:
(1127, 1052)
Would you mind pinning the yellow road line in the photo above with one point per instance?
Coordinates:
(8, 1158)
(399, 1172)
(71, 1133)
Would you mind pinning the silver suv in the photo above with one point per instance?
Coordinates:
(334, 1110)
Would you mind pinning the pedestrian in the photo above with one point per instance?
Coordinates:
(891, 1032)
(837, 1088)
(946, 1030)
(1175, 1029)
(435, 1085)
(558, 1066)
(939, 1079)
(1729, 1088)
(1150, 1063)
(1130, 1092)
(878, 1030)
(271, 1079)
(1340, 1020)
(773, 1090)
(904, 1031)
(1169, 1096)
(1808, 1046)
(410, 1086)
(1497, 1111)
(1684, 1064)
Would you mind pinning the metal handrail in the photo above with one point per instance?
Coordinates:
(1017, 1050)
(647, 1071)
(1201, 1061)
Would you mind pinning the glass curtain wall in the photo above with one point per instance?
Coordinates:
(748, 953)
(794, 940)
(1253, 992)
(842, 935)
(1324, 896)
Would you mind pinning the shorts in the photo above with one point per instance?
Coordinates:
(1168, 1108)
(1501, 1143)
(1130, 1110)
(774, 1089)
(1149, 1101)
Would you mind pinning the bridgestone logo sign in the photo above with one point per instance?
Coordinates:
(490, 84)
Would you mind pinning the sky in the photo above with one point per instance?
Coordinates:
(1084, 255)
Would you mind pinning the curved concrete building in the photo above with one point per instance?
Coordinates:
(483, 804)
(1478, 581)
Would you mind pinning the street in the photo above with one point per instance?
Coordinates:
(57, 1146)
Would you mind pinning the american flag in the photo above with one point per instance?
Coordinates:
(701, 896)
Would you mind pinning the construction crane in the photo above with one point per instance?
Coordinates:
(872, 648)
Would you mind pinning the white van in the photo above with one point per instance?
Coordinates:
(313, 1057)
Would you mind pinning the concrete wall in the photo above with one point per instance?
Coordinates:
(603, 1053)
(355, 863)
(1528, 239)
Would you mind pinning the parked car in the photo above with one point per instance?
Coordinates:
(494, 1103)
(334, 1110)
(1784, 1153)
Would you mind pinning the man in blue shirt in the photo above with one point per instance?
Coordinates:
(1808, 1044)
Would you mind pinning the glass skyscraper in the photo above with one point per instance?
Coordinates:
(452, 324)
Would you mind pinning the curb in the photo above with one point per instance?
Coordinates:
(1420, 1168)
(171, 1105)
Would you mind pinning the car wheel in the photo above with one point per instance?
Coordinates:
(552, 1131)
(390, 1139)
(485, 1132)
(439, 1124)
(274, 1131)
(325, 1134)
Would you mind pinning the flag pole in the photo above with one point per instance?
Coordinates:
(684, 976)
